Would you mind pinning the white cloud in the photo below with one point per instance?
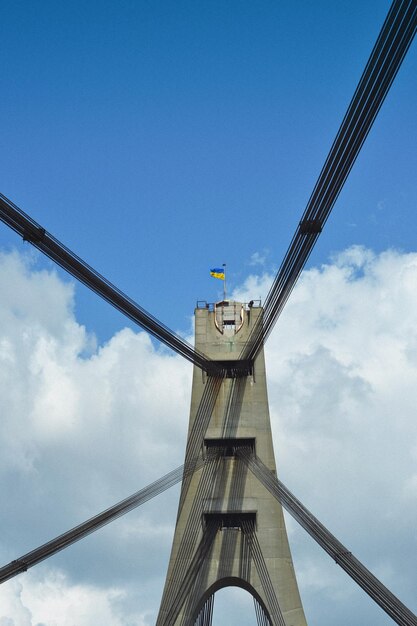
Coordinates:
(342, 374)
(53, 601)
(259, 258)
(81, 429)
(83, 426)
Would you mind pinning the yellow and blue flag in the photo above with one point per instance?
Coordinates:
(217, 273)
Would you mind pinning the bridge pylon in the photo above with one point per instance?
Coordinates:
(230, 531)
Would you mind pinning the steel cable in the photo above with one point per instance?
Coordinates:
(200, 556)
(211, 481)
(339, 177)
(190, 535)
(66, 539)
(205, 617)
(248, 528)
(198, 429)
(212, 484)
(393, 42)
(342, 556)
(33, 232)
(261, 616)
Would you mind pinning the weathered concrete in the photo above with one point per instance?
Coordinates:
(240, 411)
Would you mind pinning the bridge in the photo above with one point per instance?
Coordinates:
(225, 444)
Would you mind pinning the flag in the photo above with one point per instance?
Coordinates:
(217, 273)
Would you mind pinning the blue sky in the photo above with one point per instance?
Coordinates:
(158, 139)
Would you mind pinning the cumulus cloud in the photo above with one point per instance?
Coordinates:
(259, 258)
(82, 427)
(342, 376)
(53, 600)
(85, 425)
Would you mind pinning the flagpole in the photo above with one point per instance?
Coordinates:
(224, 284)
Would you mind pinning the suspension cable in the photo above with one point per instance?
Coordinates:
(248, 528)
(342, 556)
(31, 231)
(23, 563)
(389, 51)
(190, 535)
(205, 617)
(168, 618)
(261, 616)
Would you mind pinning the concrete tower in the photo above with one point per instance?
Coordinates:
(230, 530)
